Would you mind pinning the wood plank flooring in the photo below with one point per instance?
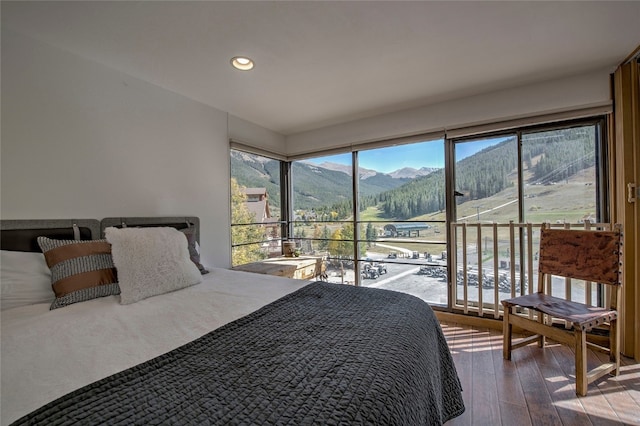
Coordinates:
(537, 387)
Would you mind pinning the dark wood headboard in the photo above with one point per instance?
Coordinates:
(178, 222)
(21, 235)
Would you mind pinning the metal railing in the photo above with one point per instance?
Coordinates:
(496, 261)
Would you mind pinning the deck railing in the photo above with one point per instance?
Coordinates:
(496, 261)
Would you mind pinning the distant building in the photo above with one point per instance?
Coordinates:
(405, 229)
(258, 203)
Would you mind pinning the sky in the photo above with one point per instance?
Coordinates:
(424, 154)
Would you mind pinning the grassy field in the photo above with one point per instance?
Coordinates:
(571, 201)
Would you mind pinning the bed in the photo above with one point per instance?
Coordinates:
(234, 348)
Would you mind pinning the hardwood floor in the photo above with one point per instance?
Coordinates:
(537, 387)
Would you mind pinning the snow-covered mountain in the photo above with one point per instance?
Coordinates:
(411, 173)
(403, 173)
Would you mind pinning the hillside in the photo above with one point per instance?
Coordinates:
(548, 158)
(314, 186)
(252, 171)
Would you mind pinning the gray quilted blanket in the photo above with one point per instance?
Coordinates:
(327, 354)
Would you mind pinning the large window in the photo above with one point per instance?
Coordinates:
(255, 208)
(546, 174)
(540, 175)
(322, 205)
(382, 217)
(392, 233)
(401, 193)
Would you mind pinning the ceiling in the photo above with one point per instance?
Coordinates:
(320, 63)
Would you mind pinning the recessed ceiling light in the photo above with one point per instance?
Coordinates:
(242, 63)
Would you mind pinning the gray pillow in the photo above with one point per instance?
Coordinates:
(190, 233)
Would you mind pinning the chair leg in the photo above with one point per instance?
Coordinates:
(541, 340)
(581, 362)
(614, 346)
(507, 330)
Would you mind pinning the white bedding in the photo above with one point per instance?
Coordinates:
(47, 354)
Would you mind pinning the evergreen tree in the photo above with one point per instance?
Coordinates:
(370, 234)
(326, 234)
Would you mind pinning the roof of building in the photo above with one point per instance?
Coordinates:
(259, 209)
(407, 226)
(255, 191)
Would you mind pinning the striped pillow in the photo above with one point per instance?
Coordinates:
(80, 270)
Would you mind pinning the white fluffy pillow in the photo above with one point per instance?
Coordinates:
(150, 261)
(25, 279)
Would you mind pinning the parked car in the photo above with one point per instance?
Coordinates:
(368, 271)
(380, 267)
(424, 270)
(392, 255)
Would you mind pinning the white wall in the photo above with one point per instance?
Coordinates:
(80, 140)
(256, 136)
(581, 91)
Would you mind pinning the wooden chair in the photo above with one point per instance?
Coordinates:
(587, 255)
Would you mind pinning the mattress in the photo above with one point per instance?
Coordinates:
(47, 354)
(238, 348)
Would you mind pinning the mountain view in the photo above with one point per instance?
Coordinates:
(406, 173)
(315, 185)
(408, 192)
